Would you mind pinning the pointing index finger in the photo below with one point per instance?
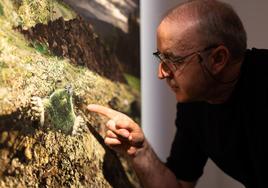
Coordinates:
(108, 112)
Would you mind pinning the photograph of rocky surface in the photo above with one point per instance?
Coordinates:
(56, 57)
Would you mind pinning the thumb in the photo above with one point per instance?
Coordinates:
(136, 139)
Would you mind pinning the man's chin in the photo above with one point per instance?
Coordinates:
(180, 96)
(182, 99)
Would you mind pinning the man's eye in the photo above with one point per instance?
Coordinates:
(179, 61)
(166, 56)
(176, 60)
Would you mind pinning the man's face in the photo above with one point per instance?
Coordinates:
(187, 78)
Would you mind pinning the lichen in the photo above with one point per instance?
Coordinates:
(34, 11)
(28, 13)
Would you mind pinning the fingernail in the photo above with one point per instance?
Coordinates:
(90, 106)
(126, 133)
(130, 138)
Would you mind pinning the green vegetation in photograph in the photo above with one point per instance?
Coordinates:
(133, 81)
(1, 10)
(40, 47)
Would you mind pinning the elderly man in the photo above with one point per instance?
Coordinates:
(222, 95)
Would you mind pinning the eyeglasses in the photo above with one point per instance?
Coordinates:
(178, 62)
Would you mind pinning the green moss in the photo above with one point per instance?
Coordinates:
(41, 47)
(133, 81)
(60, 110)
(3, 65)
(1, 10)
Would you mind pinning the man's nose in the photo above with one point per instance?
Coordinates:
(162, 74)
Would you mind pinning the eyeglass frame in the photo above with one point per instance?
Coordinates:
(180, 60)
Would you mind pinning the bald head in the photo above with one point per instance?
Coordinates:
(215, 23)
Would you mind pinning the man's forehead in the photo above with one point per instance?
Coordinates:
(172, 48)
(176, 37)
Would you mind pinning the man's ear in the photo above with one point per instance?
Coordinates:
(218, 59)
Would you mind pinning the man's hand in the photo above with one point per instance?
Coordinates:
(123, 134)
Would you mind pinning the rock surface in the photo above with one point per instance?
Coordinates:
(76, 40)
(36, 155)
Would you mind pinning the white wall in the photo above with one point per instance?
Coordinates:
(159, 104)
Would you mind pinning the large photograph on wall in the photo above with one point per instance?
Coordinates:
(57, 57)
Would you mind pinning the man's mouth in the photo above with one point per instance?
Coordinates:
(172, 85)
(174, 88)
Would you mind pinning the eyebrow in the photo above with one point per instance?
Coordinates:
(168, 54)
